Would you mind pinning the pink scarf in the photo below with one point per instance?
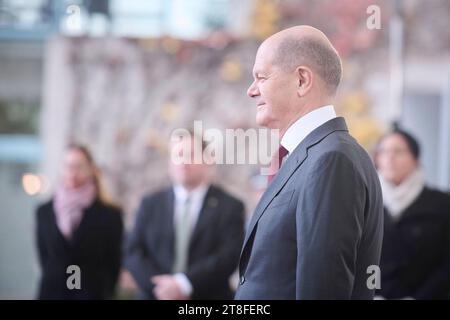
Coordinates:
(69, 205)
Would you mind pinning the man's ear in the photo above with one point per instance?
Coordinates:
(305, 80)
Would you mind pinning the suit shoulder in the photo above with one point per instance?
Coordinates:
(112, 218)
(45, 208)
(43, 213)
(110, 207)
(341, 142)
(435, 193)
(332, 155)
(343, 147)
(153, 197)
(436, 198)
(112, 210)
(227, 197)
(151, 204)
(341, 163)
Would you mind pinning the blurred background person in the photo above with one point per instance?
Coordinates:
(187, 238)
(415, 259)
(77, 227)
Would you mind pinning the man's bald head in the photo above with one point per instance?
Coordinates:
(307, 46)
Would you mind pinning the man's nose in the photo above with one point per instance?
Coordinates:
(253, 90)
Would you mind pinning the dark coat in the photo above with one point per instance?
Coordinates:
(95, 248)
(415, 260)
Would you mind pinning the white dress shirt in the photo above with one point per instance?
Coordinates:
(197, 197)
(298, 131)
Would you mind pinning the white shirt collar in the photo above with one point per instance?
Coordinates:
(197, 194)
(298, 131)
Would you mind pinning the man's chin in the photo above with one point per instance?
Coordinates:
(262, 121)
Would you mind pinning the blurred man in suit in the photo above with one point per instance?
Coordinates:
(187, 238)
(318, 226)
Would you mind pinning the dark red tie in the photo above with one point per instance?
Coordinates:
(275, 164)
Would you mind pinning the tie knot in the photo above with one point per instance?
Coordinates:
(276, 162)
(282, 152)
(278, 156)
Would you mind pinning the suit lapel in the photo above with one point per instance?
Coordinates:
(280, 179)
(168, 213)
(87, 221)
(210, 203)
(293, 162)
(62, 243)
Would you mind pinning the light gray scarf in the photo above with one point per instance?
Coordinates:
(397, 198)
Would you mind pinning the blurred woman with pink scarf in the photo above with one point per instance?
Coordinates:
(78, 228)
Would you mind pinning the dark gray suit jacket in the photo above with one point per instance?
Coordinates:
(319, 224)
(213, 250)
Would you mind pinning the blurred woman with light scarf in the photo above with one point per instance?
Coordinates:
(415, 259)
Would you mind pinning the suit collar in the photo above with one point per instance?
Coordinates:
(210, 203)
(306, 124)
(167, 217)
